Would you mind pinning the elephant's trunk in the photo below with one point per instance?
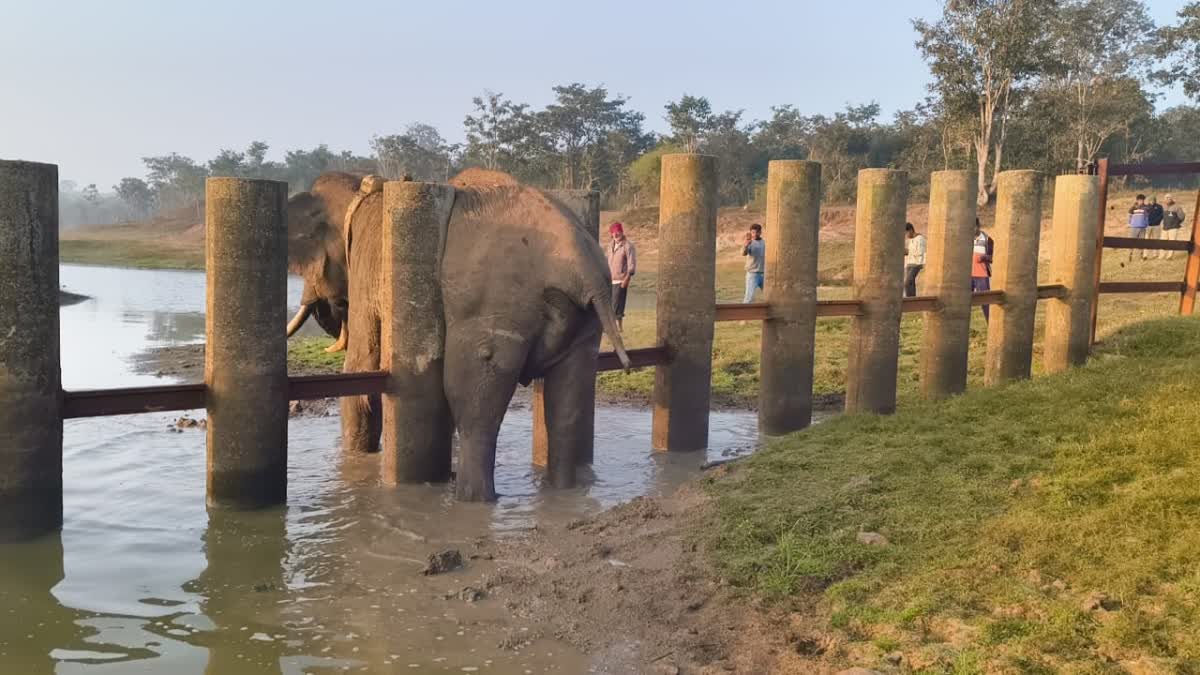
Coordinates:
(298, 320)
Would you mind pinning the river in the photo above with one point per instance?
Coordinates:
(142, 579)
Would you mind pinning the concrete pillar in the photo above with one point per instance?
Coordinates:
(585, 204)
(245, 361)
(30, 371)
(687, 243)
(947, 275)
(1017, 234)
(417, 425)
(790, 288)
(878, 285)
(1072, 264)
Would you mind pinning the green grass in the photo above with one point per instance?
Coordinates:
(307, 355)
(129, 253)
(1005, 509)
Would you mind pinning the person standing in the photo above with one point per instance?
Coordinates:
(981, 264)
(1139, 220)
(1172, 224)
(1154, 216)
(914, 259)
(755, 252)
(622, 263)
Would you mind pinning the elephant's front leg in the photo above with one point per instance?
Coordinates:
(481, 372)
(362, 416)
(570, 401)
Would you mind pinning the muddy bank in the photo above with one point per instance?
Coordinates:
(631, 587)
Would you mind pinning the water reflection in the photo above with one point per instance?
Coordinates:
(143, 579)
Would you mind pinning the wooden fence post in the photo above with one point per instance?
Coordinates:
(245, 358)
(417, 426)
(686, 301)
(878, 285)
(30, 366)
(790, 289)
(950, 235)
(1191, 276)
(1017, 234)
(1073, 249)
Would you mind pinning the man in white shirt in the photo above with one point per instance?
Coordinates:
(914, 259)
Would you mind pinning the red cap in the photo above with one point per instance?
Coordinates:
(616, 227)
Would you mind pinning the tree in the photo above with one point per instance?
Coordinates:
(493, 131)
(576, 125)
(1180, 48)
(691, 118)
(420, 152)
(227, 163)
(176, 181)
(1100, 51)
(137, 196)
(978, 52)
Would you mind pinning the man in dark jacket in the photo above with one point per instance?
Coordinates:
(1154, 218)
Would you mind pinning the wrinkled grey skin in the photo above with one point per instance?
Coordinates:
(526, 292)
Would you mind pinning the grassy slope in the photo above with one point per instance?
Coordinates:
(1005, 508)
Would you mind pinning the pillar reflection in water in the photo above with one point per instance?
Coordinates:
(242, 586)
(33, 623)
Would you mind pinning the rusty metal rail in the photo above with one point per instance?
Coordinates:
(1152, 244)
(190, 396)
(1141, 286)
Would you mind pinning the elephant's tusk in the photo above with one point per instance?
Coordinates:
(340, 345)
(297, 321)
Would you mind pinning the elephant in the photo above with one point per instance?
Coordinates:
(526, 293)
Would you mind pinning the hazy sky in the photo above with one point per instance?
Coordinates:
(95, 86)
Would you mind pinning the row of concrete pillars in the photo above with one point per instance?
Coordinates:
(686, 307)
(246, 355)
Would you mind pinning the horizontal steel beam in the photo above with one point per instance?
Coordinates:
(639, 358)
(1152, 169)
(1141, 287)
(1052, 291)
(130, 400)
(1153, 244)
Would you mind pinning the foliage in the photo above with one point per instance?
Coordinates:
(980, 52)
(420, 152)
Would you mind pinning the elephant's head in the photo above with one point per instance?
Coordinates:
(317, 251)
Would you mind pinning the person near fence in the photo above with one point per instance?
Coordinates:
(755, 252)
(1139, 222)
(1172, 224)
(622, 263)
(981, 264)
(914, 259)
(1154, 215)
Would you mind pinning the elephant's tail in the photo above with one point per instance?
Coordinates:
(603, 309)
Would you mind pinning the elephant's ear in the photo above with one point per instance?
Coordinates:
(309, 234)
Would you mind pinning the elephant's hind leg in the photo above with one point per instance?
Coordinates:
(570, 401)
(481, 374)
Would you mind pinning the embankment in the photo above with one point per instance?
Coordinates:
(1044, 526)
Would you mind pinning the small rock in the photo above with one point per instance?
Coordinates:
(1099, 602)
(1059, 585)
(443, 561)
(296, 407)
(470, 594)
(894, 658)
(859, 671)
(872, 539)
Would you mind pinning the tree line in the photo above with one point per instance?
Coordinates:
(1050, 85)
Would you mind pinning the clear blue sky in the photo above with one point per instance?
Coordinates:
(95, 86)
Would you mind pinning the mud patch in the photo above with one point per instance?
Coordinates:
(631, 588)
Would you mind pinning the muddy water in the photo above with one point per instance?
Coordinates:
(142, 579)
